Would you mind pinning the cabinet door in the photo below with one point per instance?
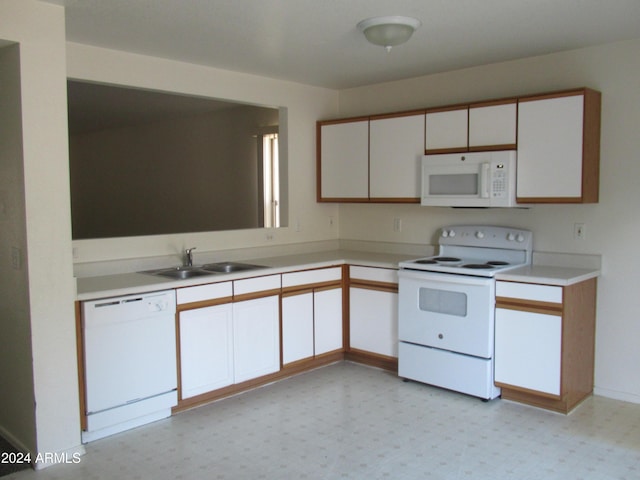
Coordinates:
(344, 160)
(206, 349)
(396, 147)
(256, 338)
(327, 307)
(373, 321)
(446, 130)
(550, 143)
(493, 126)
(297, 327)
(528, 350)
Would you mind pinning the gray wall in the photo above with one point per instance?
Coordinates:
(193, 174)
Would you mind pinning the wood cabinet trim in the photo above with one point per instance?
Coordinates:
(343, 200)
(394, 200)
(373, 285)
(203, 303)
(527, 392)
(591, 146)
(407, 113)
(439, 151)
(311, 287)
(447, 108)
(321, 123)
(525, 305)
(372, 359)
(493, 148)
(82, 379)
(549, 199)
(255, 295)
(297, 290)
(288, 371)
(493, 103)
(555, 94)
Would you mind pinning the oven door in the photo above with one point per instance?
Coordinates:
(447, 311)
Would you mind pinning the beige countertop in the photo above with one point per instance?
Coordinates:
(89, 288)
(548, 275)
(93, 287)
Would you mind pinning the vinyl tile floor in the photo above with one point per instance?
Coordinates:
(348, 421)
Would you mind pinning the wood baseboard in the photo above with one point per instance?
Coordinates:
(372, 359)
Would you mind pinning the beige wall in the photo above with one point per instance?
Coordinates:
(612, 225)
(17, 420)
(47, 420)
(305, 104)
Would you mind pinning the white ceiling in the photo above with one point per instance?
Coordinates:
(316, 42)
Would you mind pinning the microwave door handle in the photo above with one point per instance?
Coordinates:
(485, 169)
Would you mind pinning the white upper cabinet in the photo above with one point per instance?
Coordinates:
(396, 147)
(447, 130)
(482, 126)
(344, 154)
(377, 158)
(493, 126)
(559, 148)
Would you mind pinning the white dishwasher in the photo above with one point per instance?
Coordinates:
(129, 360)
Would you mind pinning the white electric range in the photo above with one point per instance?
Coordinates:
(447, 307)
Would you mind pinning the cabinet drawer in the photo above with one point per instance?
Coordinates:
(375, 274)
(529, 291)
(311, 276)
(202, 293)
(257, 284)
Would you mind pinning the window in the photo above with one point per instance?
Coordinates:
(271, 176)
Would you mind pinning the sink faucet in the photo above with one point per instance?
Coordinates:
(188, 257)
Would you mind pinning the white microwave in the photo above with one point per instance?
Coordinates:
(473, 179)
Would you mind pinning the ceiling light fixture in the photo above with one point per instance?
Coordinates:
(388, 31)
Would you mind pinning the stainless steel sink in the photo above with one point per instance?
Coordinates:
(181, 273)
(230, 267)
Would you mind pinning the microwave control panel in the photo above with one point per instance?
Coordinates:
(499, 181)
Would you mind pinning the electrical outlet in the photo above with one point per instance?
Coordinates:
(397, 224)
(579, 231)
(331, 221)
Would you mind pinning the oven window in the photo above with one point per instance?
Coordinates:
(443, 301)
(453, 184)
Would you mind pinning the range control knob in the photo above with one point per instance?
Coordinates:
(448, 233)
(520, 238)
(444, 234)
(480, 234)
(511, 237)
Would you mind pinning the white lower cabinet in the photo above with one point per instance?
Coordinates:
(206, 349)
(311, 313)
(327, 326)
(374, 321)
(256, 338)
(528, 350)
(297, 327)
(223, 342)
(373, 310)
(545, 343)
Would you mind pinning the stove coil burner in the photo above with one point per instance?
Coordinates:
(478, 266)
(497, 263)
(426, 261)
(446, 259)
